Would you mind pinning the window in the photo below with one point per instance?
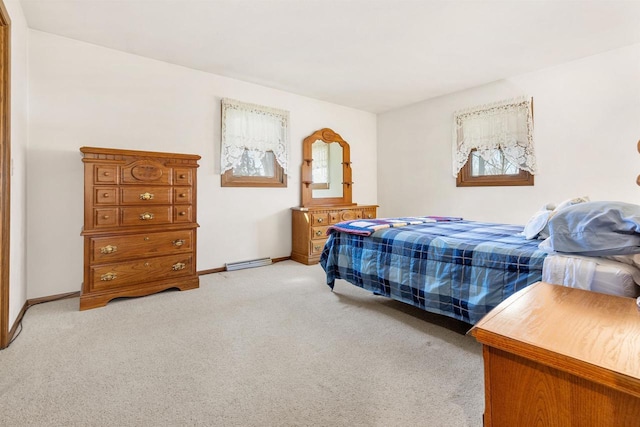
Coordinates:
(254, 145)
(255, 169)
(493, 145)
(497, 171)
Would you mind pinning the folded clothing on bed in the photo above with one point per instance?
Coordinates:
(366, 227)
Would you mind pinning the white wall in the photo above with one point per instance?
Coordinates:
(85, 95)
(19, 89)
(587, 125)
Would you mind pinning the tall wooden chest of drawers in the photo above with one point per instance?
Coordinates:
(139, 224)
(309, 227)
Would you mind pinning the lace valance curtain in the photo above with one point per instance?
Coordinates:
(254, 128)
(505, 125)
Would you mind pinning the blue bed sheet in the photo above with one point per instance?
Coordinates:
(459, 269)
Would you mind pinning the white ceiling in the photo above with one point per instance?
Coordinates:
(373, 55)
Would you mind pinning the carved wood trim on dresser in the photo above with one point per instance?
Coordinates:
(309, 227)
(139, 223)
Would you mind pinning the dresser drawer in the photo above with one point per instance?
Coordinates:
(105, 174)
(368, 213)
(116, 248)
(145, 195)
(317, 246)
(319, 219)
(319, 232)
(182, 214)
(111, 276)
(344, 215)
(105, 196)
(105, 217)
(148, 215)
(183, 176)
(182, 195)
(147, 172)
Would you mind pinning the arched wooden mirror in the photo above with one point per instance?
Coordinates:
(326, 170)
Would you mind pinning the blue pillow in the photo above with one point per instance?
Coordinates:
(596, 229)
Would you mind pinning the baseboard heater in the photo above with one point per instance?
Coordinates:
(247, 264)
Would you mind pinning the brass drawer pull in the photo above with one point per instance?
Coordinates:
(178, 242)
(318, 233)
(179, 266)
(183, 213)
(105, 195)
(183, 194)
(106, 174)
(183, 176)
(105, 216)
(108, 276)
(369, 216)
(108, 249)
(146, 216)
(319, 219)
(317, 247)
(146, 196)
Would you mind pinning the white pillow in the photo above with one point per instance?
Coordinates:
(536, 224)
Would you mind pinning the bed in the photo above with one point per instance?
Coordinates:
(460, 269)
(457, 268)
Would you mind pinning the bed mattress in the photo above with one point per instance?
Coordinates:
(615, 280)
(592, 273)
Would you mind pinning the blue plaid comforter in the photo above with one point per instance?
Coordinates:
(459, 269)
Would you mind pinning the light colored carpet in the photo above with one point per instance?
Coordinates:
(269, 346)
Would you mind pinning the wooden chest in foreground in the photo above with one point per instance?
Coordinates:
(556, 356)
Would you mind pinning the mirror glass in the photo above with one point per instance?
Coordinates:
(326, 169)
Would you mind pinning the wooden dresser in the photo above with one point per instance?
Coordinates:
(556, 356)
(139, 224)
(309, 228)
